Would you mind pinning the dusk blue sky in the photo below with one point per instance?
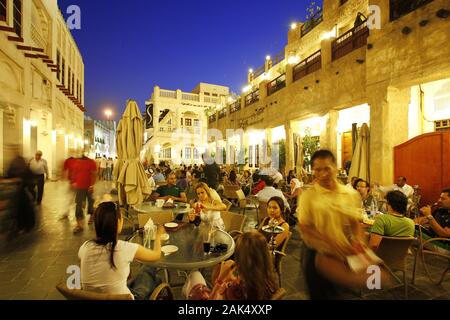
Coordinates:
(128, 47)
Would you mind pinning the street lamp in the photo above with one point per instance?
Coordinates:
(108, 113)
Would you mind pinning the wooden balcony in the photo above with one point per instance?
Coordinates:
(212, 118)
(351, 40)
(236, 106)
(222, 113)
(276, 84)
(252, 98)
(308, 65)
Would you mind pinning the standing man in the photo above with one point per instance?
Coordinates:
(84, 179)
(102, 171)
(212, 172)
(38, 166)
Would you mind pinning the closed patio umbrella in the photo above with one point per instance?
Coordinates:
(299, 159)
(360, 159)
(132, 182)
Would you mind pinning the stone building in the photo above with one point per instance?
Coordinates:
(41, 84)
(99, 137)
(381, 62)
(176, 123)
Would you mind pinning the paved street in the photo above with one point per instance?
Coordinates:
(32, 264)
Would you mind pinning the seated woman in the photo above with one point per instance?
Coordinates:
(232, 179)
(276, 212)
(208, 206)
(239, 279)
(105, 261)
(246, 182)
(368, 201)
(394, 223)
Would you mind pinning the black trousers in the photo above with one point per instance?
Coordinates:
(38, 180)
(319, 287)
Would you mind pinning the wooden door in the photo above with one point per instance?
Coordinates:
(424, 161)
(347, 147)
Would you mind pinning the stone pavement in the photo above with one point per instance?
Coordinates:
(32, 264)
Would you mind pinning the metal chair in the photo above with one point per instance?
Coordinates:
(279, 254)
(393, 251)
(161, 292)
(435, 247)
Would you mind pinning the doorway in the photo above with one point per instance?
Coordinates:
(347, 148)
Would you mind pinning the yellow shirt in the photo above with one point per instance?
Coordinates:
(330, 213)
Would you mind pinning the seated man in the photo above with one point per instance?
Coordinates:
(394, 223)
(269, 191)
(400, 185)
(170, 191)
(437, 223)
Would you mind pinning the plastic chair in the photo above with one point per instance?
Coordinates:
(161, 292)
(229, 191)
(279, 254)
(157, 217)
(234, 222)
(228, 203)
(434, 247)
(393, 251)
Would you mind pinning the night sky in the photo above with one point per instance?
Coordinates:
(128, 47)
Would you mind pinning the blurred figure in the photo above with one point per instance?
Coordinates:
(158, 177)
(109, 168)
(329, 222)
(84, 179)
(26, 216)
(182, 182)
(102, 168)
(351, 183)
(38, 166)
(69, 175)
(290, 175)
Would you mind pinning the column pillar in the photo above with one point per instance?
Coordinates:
(388, 128)
(290, 161)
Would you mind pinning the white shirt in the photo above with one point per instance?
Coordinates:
(96, 272)
(109, 163)
(269, 192)
(102, 163)
(152, 183)
(214, 218)
(39, 167)
(407, 190)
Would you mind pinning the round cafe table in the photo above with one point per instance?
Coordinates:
(190, 255)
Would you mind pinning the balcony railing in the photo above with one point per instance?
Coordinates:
(259, 71)
(350, 41)
(400, 8)
(236, 106)
(278, 58)
(222, 113)
(190, 96)
(312, 23)
(212, 118)
(168, 94)
(211, 99)
(252, 98)
(307, 66)
(276, 84)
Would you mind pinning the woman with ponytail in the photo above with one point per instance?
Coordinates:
(105, 261)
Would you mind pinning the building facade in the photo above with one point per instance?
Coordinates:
(41, 84)
(176, 123)
(100, 138)
(381, 62)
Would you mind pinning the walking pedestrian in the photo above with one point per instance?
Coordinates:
(84, 180)
(38, 167)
